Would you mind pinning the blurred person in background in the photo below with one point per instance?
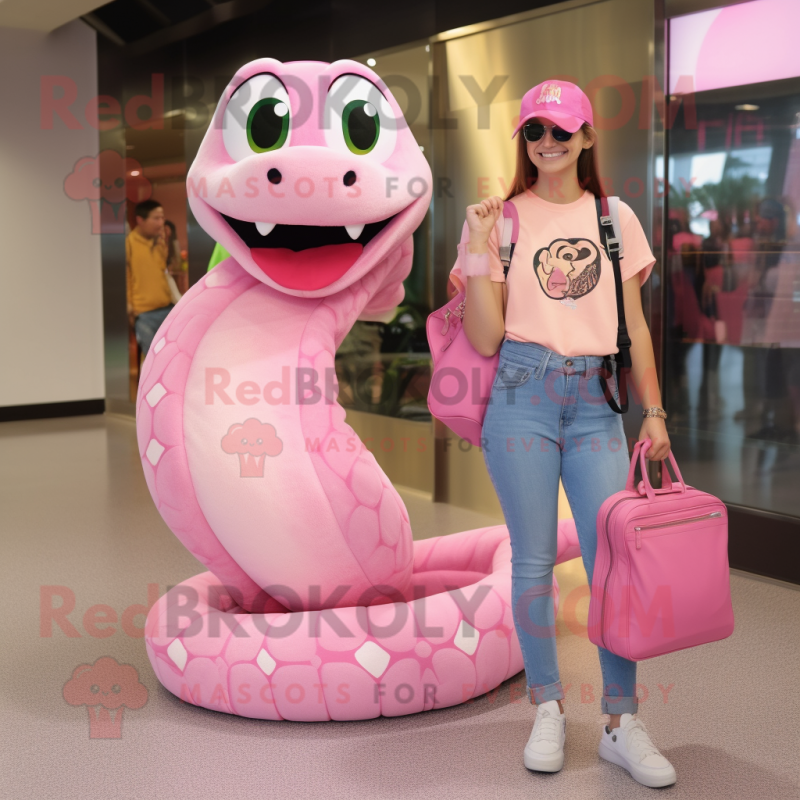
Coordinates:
(173, 247)
(149, 297)
(680, 233)
(709, 279)
(769, 241)
(713, 262)
(174, 255)
(764, 362)
(782, 334)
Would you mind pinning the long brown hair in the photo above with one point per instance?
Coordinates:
(526, 173)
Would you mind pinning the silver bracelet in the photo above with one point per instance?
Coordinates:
(655, 411)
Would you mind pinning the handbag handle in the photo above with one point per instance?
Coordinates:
(669, 485)
(666, 478)
(629, 485)
(645, 487)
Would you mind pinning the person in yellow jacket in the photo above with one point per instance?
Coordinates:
(149, 298)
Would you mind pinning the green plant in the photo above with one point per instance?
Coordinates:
(730, 195)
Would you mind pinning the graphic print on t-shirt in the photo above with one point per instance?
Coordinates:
(567, 269)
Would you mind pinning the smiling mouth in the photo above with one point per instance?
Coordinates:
(553, 155)
(305, 256)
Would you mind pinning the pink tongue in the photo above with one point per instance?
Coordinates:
(557, 281)
(308, 269)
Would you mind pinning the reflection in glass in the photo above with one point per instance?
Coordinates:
(733, 292)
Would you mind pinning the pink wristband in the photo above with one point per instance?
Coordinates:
(476, 264)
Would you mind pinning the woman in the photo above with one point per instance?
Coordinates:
(173, 248)
(547, 417)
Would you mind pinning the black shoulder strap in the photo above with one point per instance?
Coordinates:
(622, 358)
(510, 235)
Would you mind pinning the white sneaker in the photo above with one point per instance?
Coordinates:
(545, 749)
(630, 746)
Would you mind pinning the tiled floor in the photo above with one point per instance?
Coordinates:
(78, 523)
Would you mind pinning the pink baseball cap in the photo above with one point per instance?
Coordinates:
(561, 101)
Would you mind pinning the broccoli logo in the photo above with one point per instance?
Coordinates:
(106, 688)
(107, 182)
(252, 441)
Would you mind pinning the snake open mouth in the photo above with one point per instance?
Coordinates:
(305, 256)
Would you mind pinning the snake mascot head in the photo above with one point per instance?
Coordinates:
(310, 178)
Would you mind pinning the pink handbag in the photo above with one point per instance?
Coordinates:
(462, 378)
(661, 578)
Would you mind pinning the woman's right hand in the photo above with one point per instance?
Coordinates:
(481, 218)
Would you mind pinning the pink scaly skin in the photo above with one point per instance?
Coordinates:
(245, 447)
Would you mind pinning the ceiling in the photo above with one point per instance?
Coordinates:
(43, 15)
(143, 25)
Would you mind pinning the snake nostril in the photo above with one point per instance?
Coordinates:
(274, 176)
(349, 178)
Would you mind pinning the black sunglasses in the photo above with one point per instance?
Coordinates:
(533, 131)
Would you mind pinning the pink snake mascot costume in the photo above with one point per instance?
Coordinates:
(317, 605)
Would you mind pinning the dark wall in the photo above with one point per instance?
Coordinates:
(328, 30)
(323, 31)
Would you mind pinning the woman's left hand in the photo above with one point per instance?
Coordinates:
(655, 429)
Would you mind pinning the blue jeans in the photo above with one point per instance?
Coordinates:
(147, 325)
(547, 418)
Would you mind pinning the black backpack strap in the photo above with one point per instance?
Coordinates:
(619, 363)
(510, 235)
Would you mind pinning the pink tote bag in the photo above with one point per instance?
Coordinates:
(461, 380)
(661, 578)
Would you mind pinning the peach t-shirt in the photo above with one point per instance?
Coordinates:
(561, 283)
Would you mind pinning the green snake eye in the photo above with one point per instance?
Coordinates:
(361, 125)
(267, 125)
(364, 121)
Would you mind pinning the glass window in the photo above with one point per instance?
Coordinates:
(732, 371)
